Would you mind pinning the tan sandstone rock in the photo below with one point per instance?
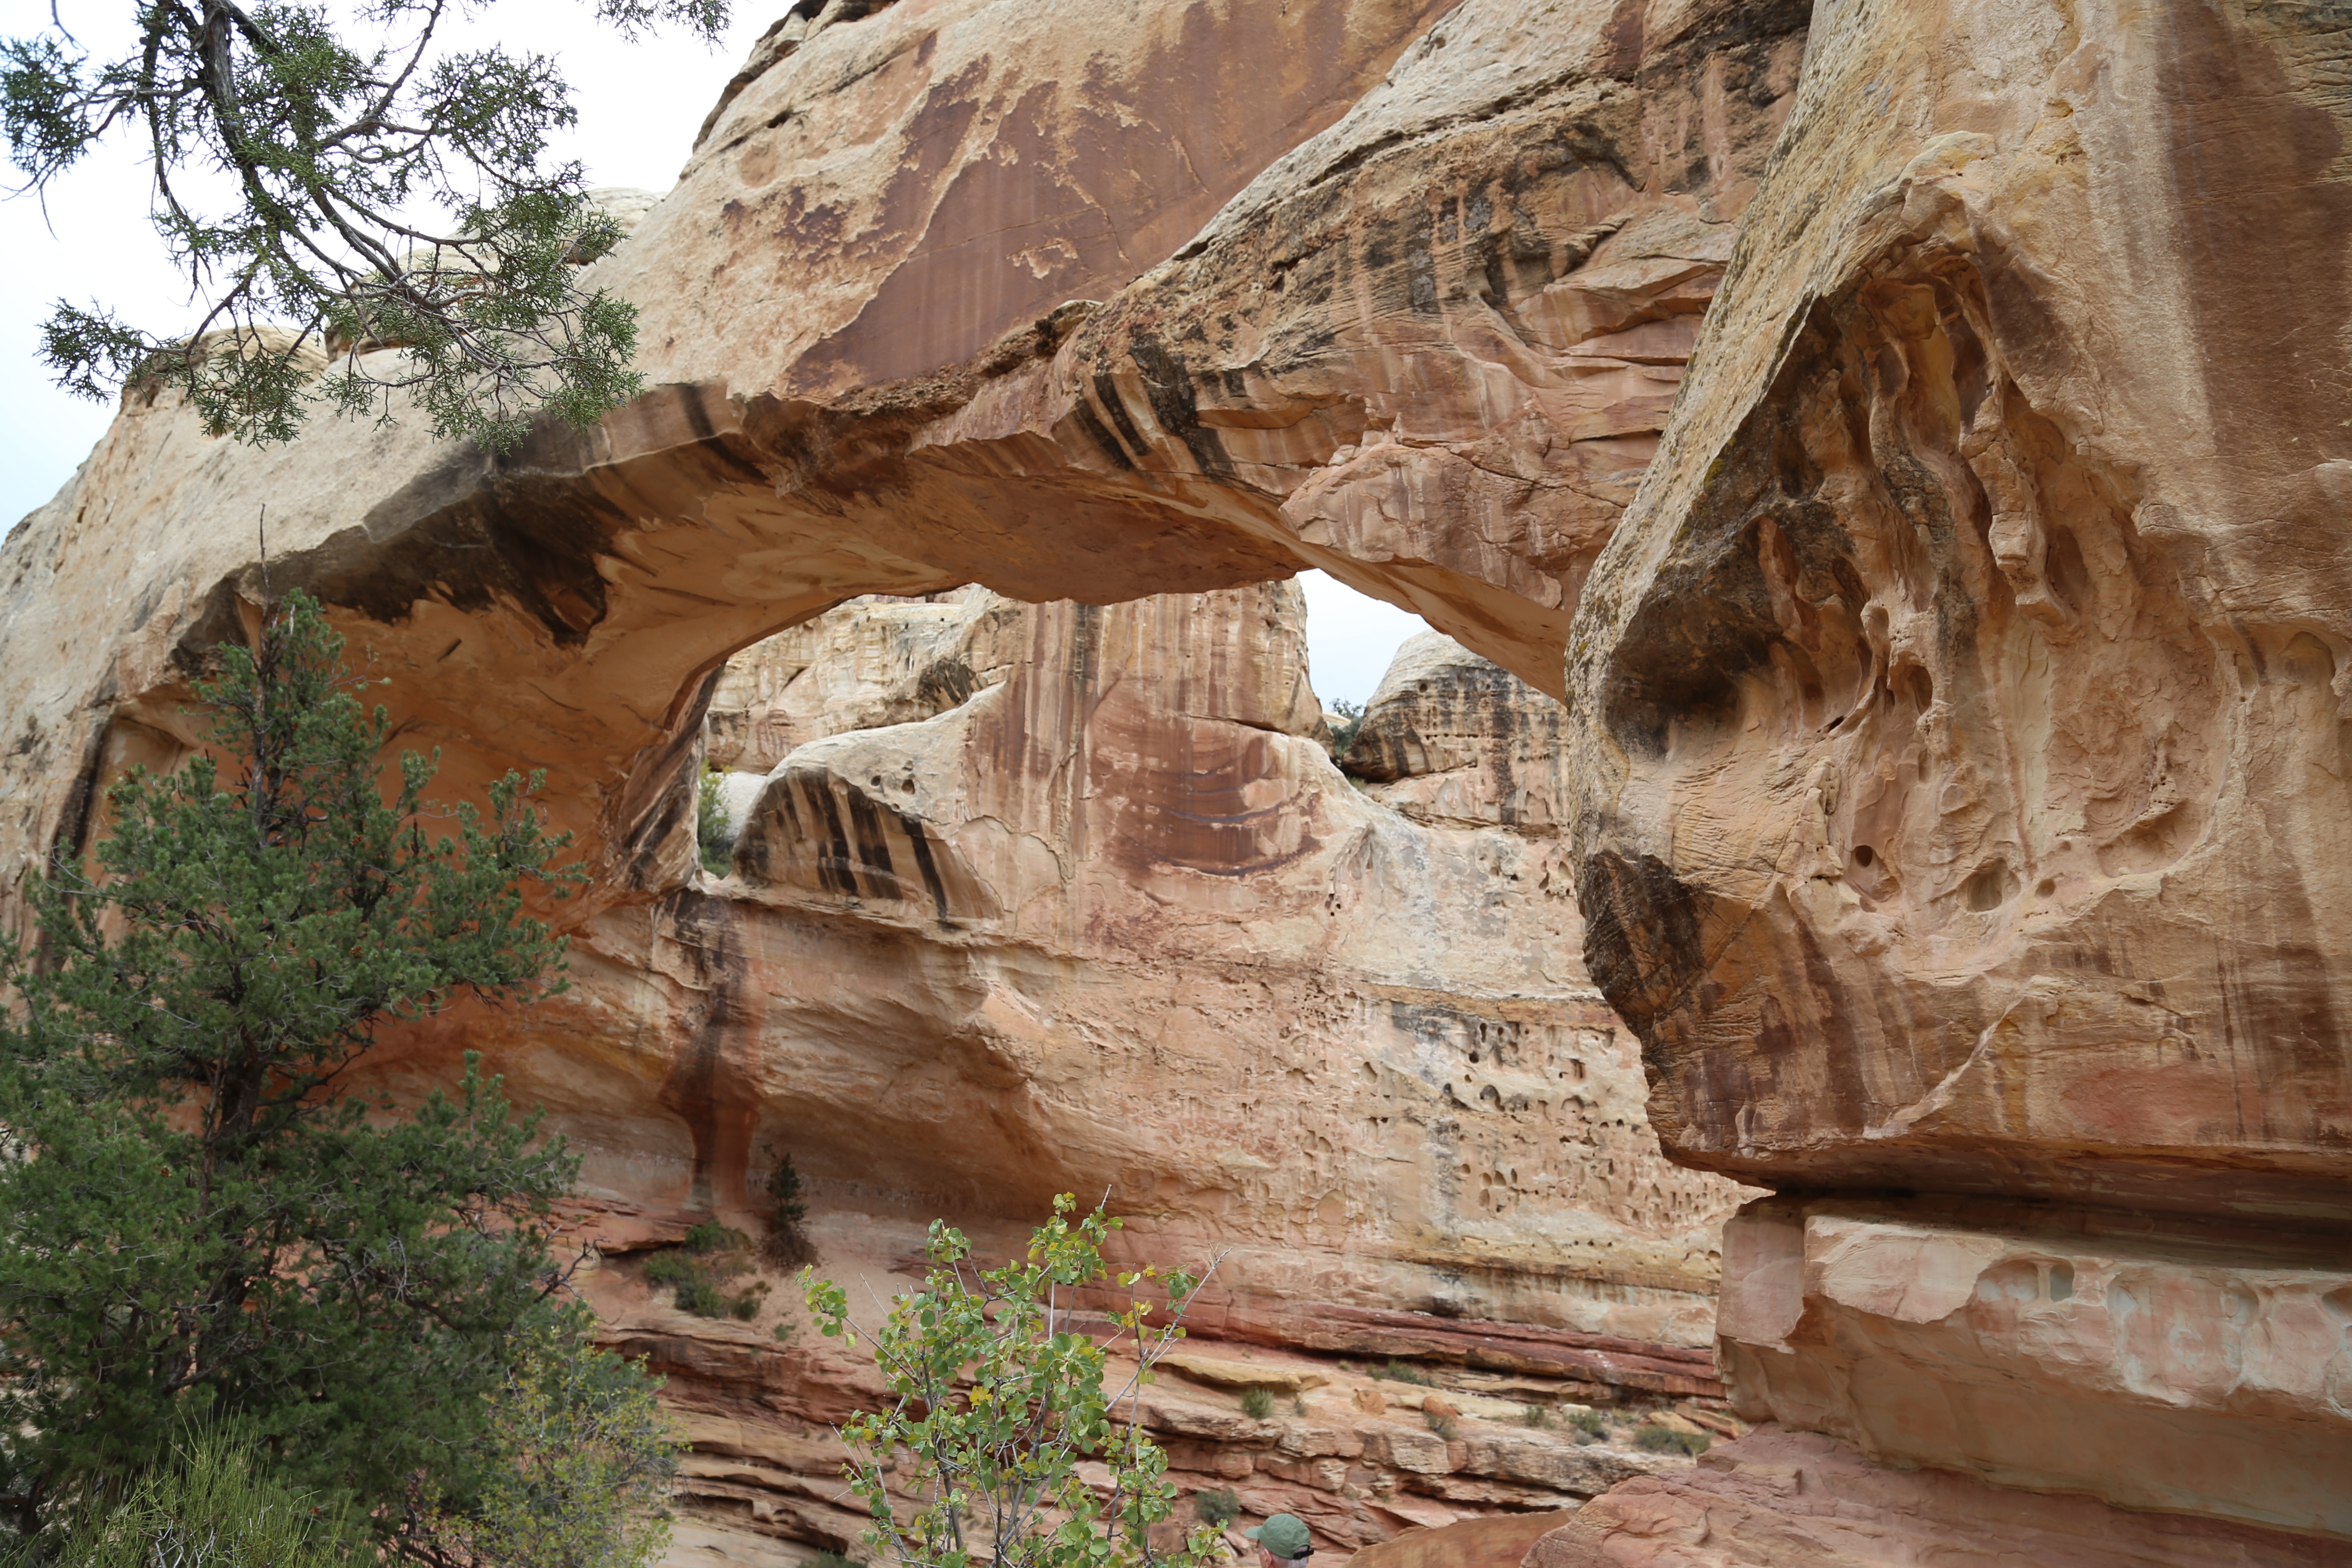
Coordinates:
(566, 606)
(1952, 734)
(1777, 1499)
(892, 662)
(1116, 921)
(1954, 719)
(1451, 737)
(1957, 726)
(1221, 1372)
(2161, 1364)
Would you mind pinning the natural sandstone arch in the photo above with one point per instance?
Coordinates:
(2024, 399)
(1444, 405)
(1428, 348)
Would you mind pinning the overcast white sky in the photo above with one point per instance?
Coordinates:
(639, 107)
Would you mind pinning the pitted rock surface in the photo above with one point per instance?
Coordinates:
(1451, 737)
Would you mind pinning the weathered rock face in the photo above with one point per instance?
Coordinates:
(1952, 745)
(1359, 1458)
(564, 606)
(1797, 1501)
(1162, 945)
(892, 662)
(1956, 725)
(1451, 737)
(1444, 333)
(896, 190)
(2162, 1365)
(1955, 716)
(1116, 921)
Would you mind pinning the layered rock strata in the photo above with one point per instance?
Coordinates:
(1777, 1499)
(1363, 1460)
(2161, 1364)
(1114, 923)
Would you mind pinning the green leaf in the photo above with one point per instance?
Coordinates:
(1035, 1406)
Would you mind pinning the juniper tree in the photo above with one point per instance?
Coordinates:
(199, 1219)
(339, 150)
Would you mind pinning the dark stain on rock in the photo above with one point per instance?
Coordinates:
(946, 683)
(1113, 405)
(705, 1087)
(1709, 617)
(873, 845)
(2265, 229)
(471, 534)
(1168, 384)
(926, 865)
(644, 843)
(71, 841)
(662, 792)
(220, 621)
(1641, 937)
(1100, 434)
(835, 866)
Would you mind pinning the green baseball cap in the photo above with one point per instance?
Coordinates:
(1284, 1535)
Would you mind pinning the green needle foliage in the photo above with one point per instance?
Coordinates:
(332, 144)
(590, 1461)
(1656, 1439)
(702, 1270)
(1352, 722)
(787, 1243)
(197, 1220)
(216, 1503)
(1000, 1397)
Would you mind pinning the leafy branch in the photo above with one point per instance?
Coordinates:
(999, 1399)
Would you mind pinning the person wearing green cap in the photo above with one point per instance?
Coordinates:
(1280, 1539)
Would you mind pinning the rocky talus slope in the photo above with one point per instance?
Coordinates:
(1910, 439)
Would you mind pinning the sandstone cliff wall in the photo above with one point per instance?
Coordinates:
(1949, 767)
(1956, 727)
(1121, 908)
(1110, 919)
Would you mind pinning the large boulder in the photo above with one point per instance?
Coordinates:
(1956, 723)
(1957, 715)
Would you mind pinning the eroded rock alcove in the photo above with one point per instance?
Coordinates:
(1908, 439)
